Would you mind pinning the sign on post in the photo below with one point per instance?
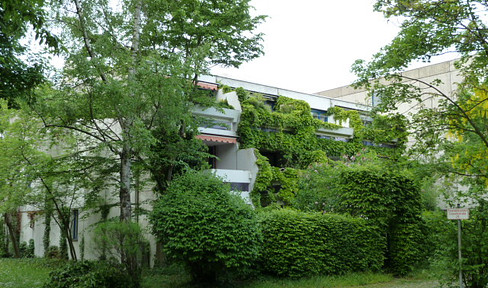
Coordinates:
(458, 213)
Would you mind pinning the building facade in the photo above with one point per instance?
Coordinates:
(234, 165)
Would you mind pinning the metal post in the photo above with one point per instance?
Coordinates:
(461, 284)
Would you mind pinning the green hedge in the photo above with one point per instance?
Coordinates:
(298, 244)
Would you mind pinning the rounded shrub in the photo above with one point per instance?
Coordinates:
(298, 244)
(201, 223)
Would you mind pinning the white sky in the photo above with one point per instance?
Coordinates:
(310, 45)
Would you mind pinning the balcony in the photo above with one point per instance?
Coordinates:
(223, 123)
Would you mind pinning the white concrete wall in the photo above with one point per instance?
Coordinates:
(445, 72)
(231, 98)
(227, 156)
(246, 160)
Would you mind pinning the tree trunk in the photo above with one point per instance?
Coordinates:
(71, 246)
(13, 234)
(46, 239)
(125, 184)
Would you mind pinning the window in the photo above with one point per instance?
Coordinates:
(239, 186)
(212, 160)
(375, 99)
(320, 114)
(322, 136)
(217, 124)
(74, 225)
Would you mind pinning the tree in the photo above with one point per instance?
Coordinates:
(430, 28)
(130, 72)
(454, 134)
(206, 227)
(61, 179)
(13, 179)
(18, 77)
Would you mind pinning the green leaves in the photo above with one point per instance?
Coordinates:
(298, 244)
(202, 224)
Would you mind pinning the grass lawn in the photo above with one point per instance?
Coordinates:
(25, 273)
(174, 278)
(32, 273)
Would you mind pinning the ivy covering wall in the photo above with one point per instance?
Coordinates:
(285, 139)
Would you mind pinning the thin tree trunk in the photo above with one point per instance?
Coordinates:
(125, 184)
(71, 246)
(13, 234)
(46, 239)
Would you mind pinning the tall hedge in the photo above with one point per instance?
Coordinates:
(392, 200)
(298, 244)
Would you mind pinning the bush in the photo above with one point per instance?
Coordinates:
(203, 225)
(389, 198)
(53, 252)
(121, 241)
(298, 244)
(27, 249)
(90, 274)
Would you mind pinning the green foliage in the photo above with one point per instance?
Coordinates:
(19, 77)
(242, 94)
(90, 274)
(27, 249)
(362, 186)
(175, 151)
(53, 252)
(201, 224)
(318, 188)
(224, 104)
(342, 115)
(287, 135)
(121, 241)
(273, 184)
(430, 28)
(474, 248)
(119, 238)
(288, 131)
(298, 244)
(3, 239)
(391, 199)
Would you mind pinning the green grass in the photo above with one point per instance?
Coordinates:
(23, 273)
(352, 280)
(32, 273)
(175, 278)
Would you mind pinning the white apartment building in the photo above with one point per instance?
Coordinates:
(236, 166)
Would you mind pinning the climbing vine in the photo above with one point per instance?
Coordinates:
(274, 185)
(342, 115)
(286, 142)
(288, 131)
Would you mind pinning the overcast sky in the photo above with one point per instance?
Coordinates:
(310, 45)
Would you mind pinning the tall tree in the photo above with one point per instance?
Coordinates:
(18, 77)
(130, 65)
(428, 29)
(130, 70)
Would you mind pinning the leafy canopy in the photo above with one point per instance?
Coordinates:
(428, 29)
